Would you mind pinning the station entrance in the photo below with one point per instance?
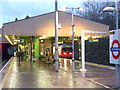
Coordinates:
(36, 47)
(38, 33)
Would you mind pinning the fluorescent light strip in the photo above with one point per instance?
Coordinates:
(9, 40)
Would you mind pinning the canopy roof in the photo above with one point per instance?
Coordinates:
(2, 38)
(43, 25)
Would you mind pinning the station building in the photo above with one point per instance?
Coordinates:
(36, 35)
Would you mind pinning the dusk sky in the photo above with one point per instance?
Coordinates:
(11, 9)
(20, 9)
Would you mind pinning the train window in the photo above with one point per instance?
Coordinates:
(66, 49)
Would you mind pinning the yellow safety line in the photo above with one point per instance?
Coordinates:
(6, 75)
(99, 65)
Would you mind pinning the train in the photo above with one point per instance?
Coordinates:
(65, 50)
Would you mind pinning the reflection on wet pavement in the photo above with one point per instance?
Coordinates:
(41, 75)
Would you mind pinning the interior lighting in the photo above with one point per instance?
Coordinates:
(9, 40)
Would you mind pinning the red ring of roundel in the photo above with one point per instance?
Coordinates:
(116, 56)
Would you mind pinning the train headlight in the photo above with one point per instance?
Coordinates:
(70, 53)
(64, 53)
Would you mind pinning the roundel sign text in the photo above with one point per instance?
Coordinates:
(115, 49)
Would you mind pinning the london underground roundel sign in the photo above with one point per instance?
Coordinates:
(115, 49)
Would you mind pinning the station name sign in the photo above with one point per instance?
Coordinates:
(114, 48)
(117, 49)
(18, 40)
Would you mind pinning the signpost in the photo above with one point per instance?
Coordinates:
(115, 44)
(115, 47)
(115, 54)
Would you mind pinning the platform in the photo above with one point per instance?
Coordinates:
(38, 74)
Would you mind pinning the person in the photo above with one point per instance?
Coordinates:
(48, 58)
(21, 55)
(18, 55)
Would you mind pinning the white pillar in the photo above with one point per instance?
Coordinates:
(83, 70)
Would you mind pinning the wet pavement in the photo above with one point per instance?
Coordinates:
(99, 74)
(103, 76)
(38, 74)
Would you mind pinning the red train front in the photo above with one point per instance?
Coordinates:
(66, 52)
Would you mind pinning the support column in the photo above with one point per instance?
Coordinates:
(36, 49)
(56, 37)
(117, 33)
(118, 75)
(31, 46)
(83, 70)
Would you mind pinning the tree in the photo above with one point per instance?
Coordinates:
(94, 11)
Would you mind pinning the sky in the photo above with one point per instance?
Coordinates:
(11, 9)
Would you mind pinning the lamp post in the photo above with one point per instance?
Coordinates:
(108, 9)
(73, 62)
(56, 37)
